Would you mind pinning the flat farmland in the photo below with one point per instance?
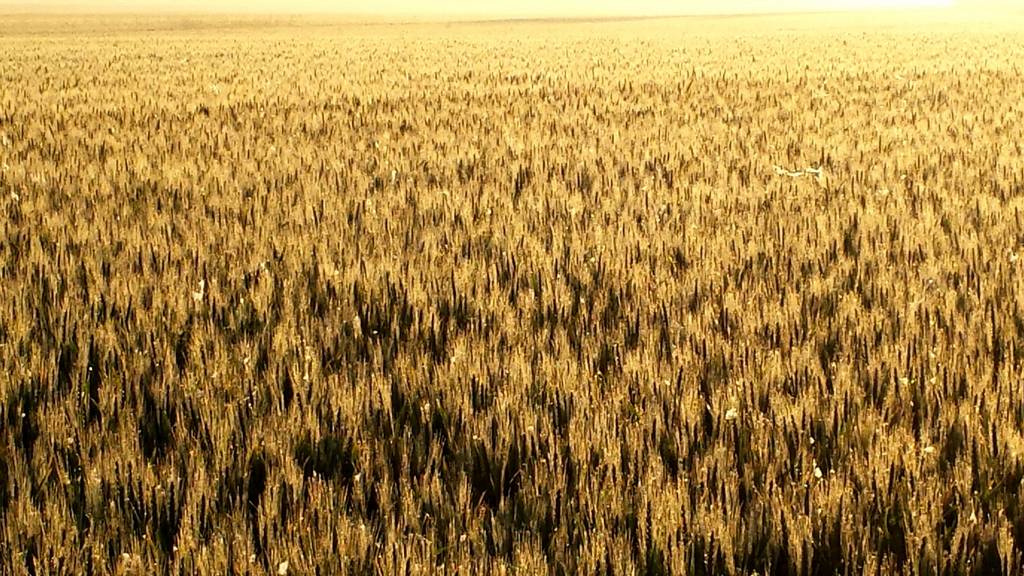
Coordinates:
(680, 296)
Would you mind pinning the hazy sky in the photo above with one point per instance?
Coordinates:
(500, 7)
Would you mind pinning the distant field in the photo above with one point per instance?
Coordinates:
(690, 296)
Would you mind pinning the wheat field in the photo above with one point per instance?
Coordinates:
(690, 296)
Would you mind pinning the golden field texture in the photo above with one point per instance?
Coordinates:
(705, 296)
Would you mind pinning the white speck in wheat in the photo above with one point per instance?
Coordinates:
(197, 296)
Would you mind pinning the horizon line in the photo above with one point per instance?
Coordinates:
(465, 16)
